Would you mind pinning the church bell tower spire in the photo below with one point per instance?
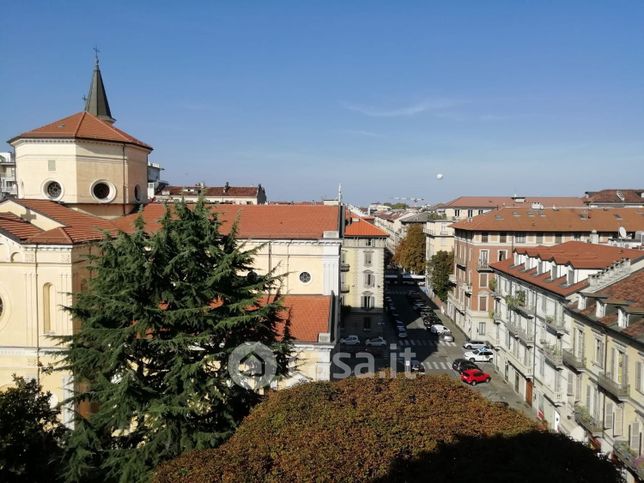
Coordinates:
(96, 100)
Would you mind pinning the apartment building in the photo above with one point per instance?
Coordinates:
(392, 223)
(237, 195)
(362, 278)
(8, 186)
(615, 198)
(438, 229)
(539, 346)
(492, 237)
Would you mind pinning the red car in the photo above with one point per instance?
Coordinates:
(474, 376)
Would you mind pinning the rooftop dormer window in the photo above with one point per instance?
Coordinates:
(622, 318)
(553, 271)
(582, 302)
(600, 310)
(570, 276)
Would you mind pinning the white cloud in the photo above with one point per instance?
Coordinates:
(426, 105)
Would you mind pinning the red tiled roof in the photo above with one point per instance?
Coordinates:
(581, 255)
(543, 280)
(255, 221)
(611, 196)
(231, 191)
(364, 229)
(15, 227)
(577, 254)
(492, 202)
(77, 227)
(81, 125)
(308, 315)
(629, 289)
(585, 220)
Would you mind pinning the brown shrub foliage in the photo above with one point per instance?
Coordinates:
(384, 429)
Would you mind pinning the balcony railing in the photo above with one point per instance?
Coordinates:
(468, 288)
(629, 458)
(552, 353)
(572, 360)
(520, 364)
(526, 336)
(586, 421)
(344, 267)
(483, 264)
(497, 317)
(452, 278)
(556, 325)
(619, 390)
(556, 396)
(344, 288)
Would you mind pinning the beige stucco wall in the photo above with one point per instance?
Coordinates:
(78, 165)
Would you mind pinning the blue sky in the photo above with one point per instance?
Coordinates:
(502, 97)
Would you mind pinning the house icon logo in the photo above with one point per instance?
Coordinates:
(252, 365)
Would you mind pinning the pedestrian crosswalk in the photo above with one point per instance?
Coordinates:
(437, 365)
(424, 342)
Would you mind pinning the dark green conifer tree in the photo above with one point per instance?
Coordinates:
(158, 322)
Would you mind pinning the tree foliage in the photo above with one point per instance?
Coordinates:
(440, 266)
(410, 252)
(161, 316)
(30, 434)
(394, 429)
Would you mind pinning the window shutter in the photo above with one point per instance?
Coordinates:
(638, 376)
(619, 420)
(635, 436)
(608, 415)
(571, 380)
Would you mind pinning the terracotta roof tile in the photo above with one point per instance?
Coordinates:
(492, 202)
(256, 221)
(364, 229)
(16, 228)
(308, 315)
(604, 220)
(81, 125)
(611, 196)
(542, 280)
(581, 255)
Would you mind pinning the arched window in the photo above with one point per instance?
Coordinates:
(47, 300)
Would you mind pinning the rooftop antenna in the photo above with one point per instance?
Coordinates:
(622, 232)
(340, 193)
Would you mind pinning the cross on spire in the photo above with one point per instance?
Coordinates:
(96, 52)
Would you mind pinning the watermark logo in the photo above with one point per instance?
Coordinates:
(252, 365)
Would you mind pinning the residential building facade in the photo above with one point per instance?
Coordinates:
(493, 236)
(8, 186)
(237, 195)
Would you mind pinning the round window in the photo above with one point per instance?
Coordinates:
(1, 307)
(54, 190)
(101, 191)
(305, 277)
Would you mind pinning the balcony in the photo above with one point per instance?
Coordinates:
(344, 267)
(573, 361)
(556, 325)
(619, 390)
(483, 265)
(525, 336)
(552, 354)
(452, 278)
(520, 364)
(586, 421)
(344, 289)
(556, 396)
(629, 458)
(497, 318)
(468, 288)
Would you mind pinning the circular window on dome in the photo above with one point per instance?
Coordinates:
(1, 307)
(305, 277)
(103, 191)
(53, 190)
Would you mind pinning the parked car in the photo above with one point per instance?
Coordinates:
(447, 337)
(479, 355)
(475, 344)
(427, 323)
(474, 376)
(350, 340)
(402, 333)
(438, 329)
(376, 342)
(460, 365)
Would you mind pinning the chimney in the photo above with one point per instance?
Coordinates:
(226, 187)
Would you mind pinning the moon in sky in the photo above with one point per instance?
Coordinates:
(439, 176)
